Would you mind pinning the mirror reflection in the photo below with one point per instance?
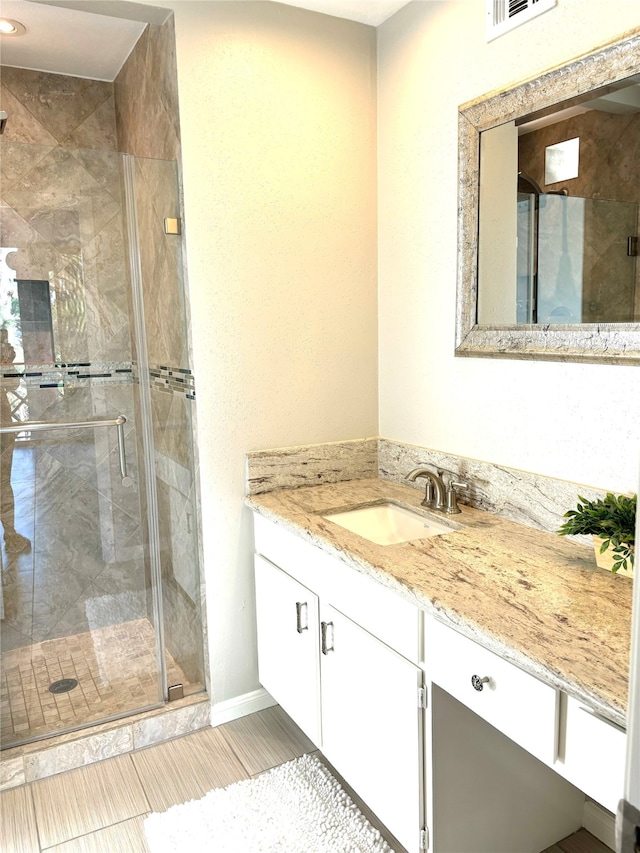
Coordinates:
(558, 213)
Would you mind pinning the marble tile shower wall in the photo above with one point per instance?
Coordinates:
(146, 92)
(62, 213)
(85, 569)
(62, 208)
(147, 126)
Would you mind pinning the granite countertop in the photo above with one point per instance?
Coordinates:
(534, 598)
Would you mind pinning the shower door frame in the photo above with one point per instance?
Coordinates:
(135, 270)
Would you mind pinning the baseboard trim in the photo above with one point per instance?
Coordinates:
(241, 706)
(600, 822)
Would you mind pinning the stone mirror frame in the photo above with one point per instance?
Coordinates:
(613, 343)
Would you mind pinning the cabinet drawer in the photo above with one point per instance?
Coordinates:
(370, 604)
(591, 753)
(518, 704)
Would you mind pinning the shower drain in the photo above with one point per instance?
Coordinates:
(63, 686)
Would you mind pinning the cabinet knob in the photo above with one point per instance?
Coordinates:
(299, 626)
(477, 682)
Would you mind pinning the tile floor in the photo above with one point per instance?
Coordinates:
(579, 842)
(116, 672)
(100, 808)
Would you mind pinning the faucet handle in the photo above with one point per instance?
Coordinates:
(452, 496)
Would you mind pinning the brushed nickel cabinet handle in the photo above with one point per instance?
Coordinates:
(324, 628)
(602, 719)
(300, 605)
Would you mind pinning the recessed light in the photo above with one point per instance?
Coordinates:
(11, 28)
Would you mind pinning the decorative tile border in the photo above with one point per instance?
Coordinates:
(172, 380)
(70, 374)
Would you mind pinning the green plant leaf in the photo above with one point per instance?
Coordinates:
(613, 518)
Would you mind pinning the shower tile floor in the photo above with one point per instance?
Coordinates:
(116, 672)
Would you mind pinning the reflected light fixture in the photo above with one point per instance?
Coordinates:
(11, 28)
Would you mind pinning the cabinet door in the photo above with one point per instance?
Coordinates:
(288, 648)
(371, 723)
(591, 753)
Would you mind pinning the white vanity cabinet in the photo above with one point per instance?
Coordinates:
(443, 739)
(349, 690)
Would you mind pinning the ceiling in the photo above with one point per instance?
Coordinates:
(63, 38)
(66, 41)
(372, 12)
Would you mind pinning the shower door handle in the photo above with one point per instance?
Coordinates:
(43, 426)
(126, 480)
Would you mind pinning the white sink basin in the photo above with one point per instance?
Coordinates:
(388, 524)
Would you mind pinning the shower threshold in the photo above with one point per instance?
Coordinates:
(67, 684)
(48, 756)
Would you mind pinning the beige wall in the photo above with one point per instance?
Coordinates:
(574, 422)
(277, 115)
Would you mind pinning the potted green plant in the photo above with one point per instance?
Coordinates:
(612, 523)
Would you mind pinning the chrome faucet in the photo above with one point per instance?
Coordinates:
(436, 495)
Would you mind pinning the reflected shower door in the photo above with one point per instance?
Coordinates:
(585, 271)
(610, 277)
(526, 223)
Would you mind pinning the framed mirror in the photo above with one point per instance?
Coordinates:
(548, 214)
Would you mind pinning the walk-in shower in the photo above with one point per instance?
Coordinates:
(101, 597)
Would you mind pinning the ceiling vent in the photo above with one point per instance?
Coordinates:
(505, 15)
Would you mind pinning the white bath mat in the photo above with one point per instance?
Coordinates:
(295, 808)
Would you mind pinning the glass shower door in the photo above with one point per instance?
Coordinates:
(101, 597)
(79, 611)
(165, 397)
